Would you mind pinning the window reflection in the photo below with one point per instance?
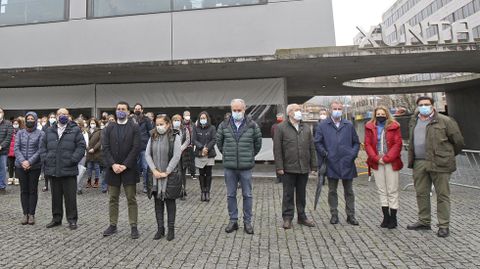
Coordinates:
(109, 8)
(13, 12)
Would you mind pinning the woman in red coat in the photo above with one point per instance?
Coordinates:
(383, 143)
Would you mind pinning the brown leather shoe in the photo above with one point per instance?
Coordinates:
(306, 222)
(287, 224)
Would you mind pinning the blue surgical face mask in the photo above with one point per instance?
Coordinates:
(425, 110)
(336, 114)
(203, 121)
(63, 119)
(238, 116)
(121, 115)
(176, 124)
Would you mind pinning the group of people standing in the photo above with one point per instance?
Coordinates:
(125, 146)
(434, 141)
(164, 149)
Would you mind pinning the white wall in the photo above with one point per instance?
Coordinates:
(224, 32)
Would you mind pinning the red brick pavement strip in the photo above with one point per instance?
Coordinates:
(201, 242)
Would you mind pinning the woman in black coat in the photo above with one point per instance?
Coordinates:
(204, 139)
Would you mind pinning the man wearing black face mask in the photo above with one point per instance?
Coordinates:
(121, 146)
(62, 148)
(146, 126)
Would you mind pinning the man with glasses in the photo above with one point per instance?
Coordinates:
(435, 140)
(239, 139)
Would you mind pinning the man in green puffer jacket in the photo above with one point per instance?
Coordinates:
(239, 139)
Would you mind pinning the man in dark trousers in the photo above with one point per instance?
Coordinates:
(337, 140)
(145, 125)
(295, 158)
(121, 146)
(61, 149)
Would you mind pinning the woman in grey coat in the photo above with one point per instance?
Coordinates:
(163, 154)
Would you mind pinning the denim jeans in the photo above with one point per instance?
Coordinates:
(232, 177)
(93, 166)
(3, 171)
(143, 167)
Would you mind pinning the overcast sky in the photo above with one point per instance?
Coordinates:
(351, 13)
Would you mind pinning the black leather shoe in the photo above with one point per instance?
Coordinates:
(134, 234)
(248, 228)
(418, 226)
(334, 219)
(352, 221)
(171, 234)
(72, 226)
(53, 224)
(443, 232)
(160, 233)
(232, 226)
(112, 229)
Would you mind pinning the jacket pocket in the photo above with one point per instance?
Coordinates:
(443, 158)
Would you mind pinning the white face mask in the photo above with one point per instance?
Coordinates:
(323, 117)
(161, 129)
(93, 125)
(16, 126)
(298, 115)
(187, 118)
(102, 126)
(1, 116)
(52, 120)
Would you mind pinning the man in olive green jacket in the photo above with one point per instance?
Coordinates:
(435, 140)
(295, 157)
(239, 139)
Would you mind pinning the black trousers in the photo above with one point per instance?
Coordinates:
(160, 211)
(11, 166)
(294, 189)
(191, 162)
(205, 177)
(64, 188)
(28, 189)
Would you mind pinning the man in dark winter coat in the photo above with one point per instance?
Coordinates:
(295, 158)
(61, 149)
(121, 146)
(336, 139)
(145, 125)
(6, 131)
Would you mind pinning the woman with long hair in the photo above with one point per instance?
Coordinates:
(204, 139)
(163, 154)
(383, 144)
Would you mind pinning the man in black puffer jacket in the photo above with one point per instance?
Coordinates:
(61, 149)
(6, 131)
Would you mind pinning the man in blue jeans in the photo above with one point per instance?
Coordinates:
(239, 139)
(6, 131)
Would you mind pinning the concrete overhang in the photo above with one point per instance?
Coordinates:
(308, 71)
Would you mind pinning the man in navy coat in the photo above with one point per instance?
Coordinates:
(337, 139)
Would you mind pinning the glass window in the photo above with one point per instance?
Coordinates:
(14, 12)
(109, 8)
(199, 4)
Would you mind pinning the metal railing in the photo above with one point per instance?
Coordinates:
(467, 174)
